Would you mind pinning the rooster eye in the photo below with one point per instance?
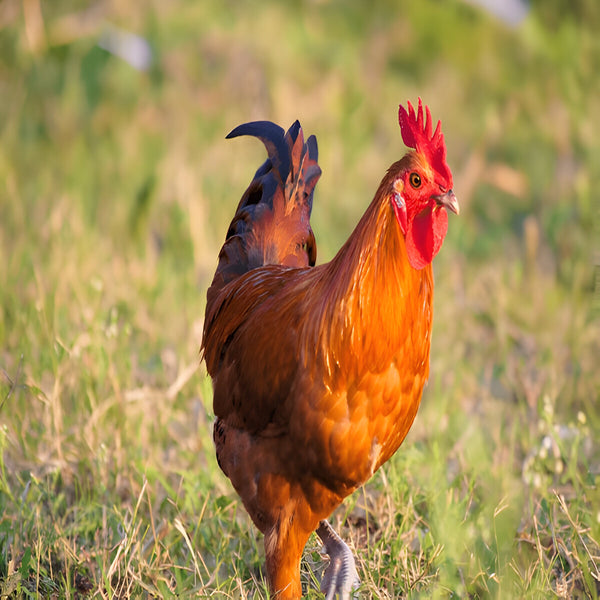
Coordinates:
(415, 180)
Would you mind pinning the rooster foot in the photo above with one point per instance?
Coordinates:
(340, 578)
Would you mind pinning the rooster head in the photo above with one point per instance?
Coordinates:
(422, 190)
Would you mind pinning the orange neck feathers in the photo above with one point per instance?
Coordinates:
(372, 296)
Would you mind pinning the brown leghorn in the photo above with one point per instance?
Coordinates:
(318, 371)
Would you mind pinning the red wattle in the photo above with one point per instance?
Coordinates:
(425, 235)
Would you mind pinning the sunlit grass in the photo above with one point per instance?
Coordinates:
(116, 188)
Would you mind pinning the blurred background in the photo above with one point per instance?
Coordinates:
(116, 190)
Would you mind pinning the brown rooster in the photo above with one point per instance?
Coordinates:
(318, 371)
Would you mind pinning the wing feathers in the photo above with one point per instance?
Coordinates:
(271, 226)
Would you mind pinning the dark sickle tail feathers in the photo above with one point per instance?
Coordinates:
(271, 224)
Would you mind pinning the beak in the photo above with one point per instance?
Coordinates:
(449, 201)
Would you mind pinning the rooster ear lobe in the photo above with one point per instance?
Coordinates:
(399, 206)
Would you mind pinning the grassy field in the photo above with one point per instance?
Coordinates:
(116, 189)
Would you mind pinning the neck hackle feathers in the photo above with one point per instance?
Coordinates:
(416, 130)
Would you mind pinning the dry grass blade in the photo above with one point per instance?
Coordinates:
(594, 560)
(12, 382)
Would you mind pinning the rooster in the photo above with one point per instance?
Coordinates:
(318, 371)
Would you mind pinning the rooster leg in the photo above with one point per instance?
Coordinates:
(340, 577)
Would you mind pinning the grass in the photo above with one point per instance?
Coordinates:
(116, 188)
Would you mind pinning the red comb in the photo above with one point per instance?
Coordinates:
(416, 133)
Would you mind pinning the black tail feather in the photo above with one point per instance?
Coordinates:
(272, 136)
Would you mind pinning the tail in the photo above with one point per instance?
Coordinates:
(271, 224)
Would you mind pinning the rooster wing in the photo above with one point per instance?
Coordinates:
(270, 230)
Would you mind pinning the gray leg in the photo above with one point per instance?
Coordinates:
(340, 578)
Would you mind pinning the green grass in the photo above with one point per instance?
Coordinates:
(116, 189)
